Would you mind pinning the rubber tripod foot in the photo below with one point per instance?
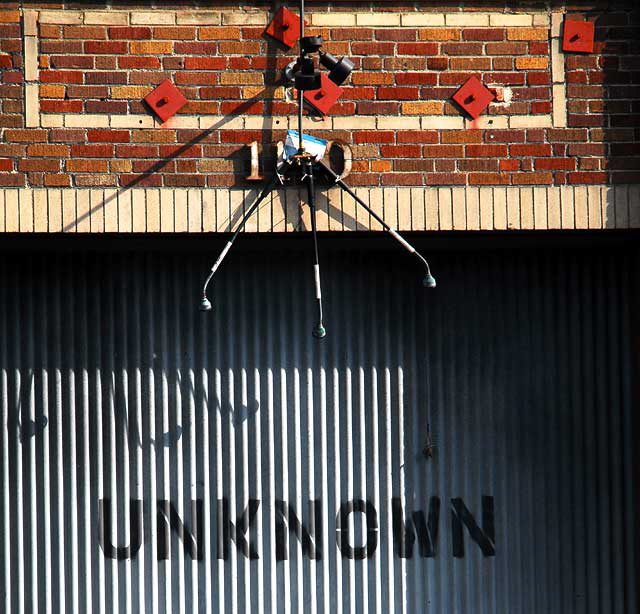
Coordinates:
(205, 305)
(319, 331)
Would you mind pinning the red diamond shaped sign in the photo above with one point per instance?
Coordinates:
(166, 100)
(578, 36)
(474, 97)
(325, 97)
(284, 27)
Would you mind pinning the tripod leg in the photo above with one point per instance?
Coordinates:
(428, 281)
(205, 305)
(319, 330)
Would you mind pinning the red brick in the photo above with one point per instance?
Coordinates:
(63, 135)
(506, 48)
(147, 181)
(532, 178)
(12, 179)
(191, 180)
(505, 78)
(587, 177)
(413, 165)
(509, 165)
(489, 179)
(238, 63)
(174, 33)
(462, 48)
(6, 164)
(359, 93)
(173, 151)
(251, 107)
(378, 108)
(108, 77)
(443, 151)
(483, 34)
(92, 151)
(400, 151)
(87, 166)
(38, 165)
(481, 151)
(61, 106)
(219, 33)
(112, 47)
(71, 61)
(440, 63)
(25, 136)
(108, 136)
(555, 164)
(417, 136)
(138, 62)
(374, 136)
(402, 179)
(118, 107)
(61, 76)
(416, 78)
(372, 48)
(42, 150)
(541, 107)
(84, 32)
(417, 49)
(58, 180)
(396, 34)
(205, 63)
(539, 48)
(137, 151)
(504, 136)
(351, 34)
(130, 33)
(238, 48)
(446, 179)
(530, 150)
(564, 135)
(195, 48)
(398, 93)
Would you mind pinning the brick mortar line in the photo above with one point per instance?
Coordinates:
(453, 208)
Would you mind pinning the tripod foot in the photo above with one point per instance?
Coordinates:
(319, 331)
(205, 305)
(429, 281)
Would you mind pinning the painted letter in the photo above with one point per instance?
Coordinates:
(485, 537)
(309, 538)
(342, 529)
(427, 530)
(120, 553)
(228, 530)
(168, 518)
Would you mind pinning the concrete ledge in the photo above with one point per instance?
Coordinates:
(198, 210)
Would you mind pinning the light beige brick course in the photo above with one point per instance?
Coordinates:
(530, 121)
(30, 23)
(333, 19)
(237, 18)
(559, 105)
(500, 19)
(377, 19)
(210, 18)
(527, 34)
(106, 18)
(422, 108)
(30, 58)
(31, 105)
(473, 20)
(441, 122)
(422, 19)
(165, 18)
(61, 17)
(84, 120)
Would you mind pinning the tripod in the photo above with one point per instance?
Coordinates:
(304, 164)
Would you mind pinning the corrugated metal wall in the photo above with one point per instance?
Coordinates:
(121, 405)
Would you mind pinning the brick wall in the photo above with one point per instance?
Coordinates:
(71, 110)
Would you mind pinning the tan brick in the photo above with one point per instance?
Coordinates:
(263, 92)
(422, 19)
(532, 63)
(239, 18)
(98, 166)
(131, 92)
(31, 105)
(153, 18)
(151, 47)
(30, 23)
(241, 78)
(333, 19)
(377, 19)
(106, 18)
(441, 123)
(373, 78)
(44, 150)
(422, 108)
(556, 24)
(467, 19)
(30, 58)
(85, 120)
(541, 20)
(66, 17)
(500, 19)
(527, 34)
(530, 121)
(191, 18)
